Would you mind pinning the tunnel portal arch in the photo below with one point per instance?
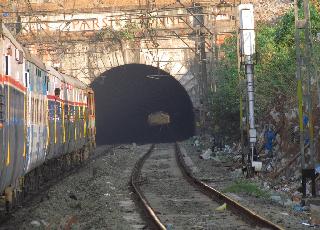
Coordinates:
(127, 94)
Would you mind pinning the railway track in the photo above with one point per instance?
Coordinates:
(173, 199)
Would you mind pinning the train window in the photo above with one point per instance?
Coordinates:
(32, 110)
(47, 82)
(65, 111)
(57, 92)
(37, 109)
(7, 65)
(9, 50)
(19, 56)
(42, 112)
(27, 78)
(35, 118)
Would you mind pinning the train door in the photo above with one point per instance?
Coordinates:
(91, 117)
(3, 66)
(27, 115)
(7, 166)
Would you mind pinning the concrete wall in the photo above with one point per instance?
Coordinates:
(87, 61)
(165, 38)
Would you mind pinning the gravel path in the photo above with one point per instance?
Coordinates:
(98, 196)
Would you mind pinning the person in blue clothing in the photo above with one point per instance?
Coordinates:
(269, 136)
(306, 133)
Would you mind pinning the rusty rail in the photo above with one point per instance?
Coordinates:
(234, 206)
(247, 214)
(134, 183)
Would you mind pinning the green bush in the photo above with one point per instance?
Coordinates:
(246, 187)
(274, 72)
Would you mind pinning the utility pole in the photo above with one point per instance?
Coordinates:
(241, 96)
(304, 74)
(247, 52)
(201, 50)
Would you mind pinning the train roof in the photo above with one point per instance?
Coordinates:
(66, 78)
(8, 34)
(34, 59)
(75, 81)
(54, 73)
(29, 57)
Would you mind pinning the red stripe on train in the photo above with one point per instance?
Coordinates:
(14, 83)
(55, 98)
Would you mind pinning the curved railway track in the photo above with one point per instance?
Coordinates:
(174, 199)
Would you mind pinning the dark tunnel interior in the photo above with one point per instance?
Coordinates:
(127, 94)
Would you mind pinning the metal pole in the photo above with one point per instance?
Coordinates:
(250, 89)
(240, 92)
(201, 44)
(247, 51)
(305, 68)
(299, 87)
(309, 76)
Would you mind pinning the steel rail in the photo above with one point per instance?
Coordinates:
(247, 214)
(134, 183)
(234, 206)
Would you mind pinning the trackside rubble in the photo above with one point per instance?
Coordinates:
(283, 190)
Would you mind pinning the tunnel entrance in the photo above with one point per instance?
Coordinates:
(127, 98)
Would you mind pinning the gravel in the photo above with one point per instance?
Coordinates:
(98, 196)
(221, 174)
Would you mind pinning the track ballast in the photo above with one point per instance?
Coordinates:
(173, 199)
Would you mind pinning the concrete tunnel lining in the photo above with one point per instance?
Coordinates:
(127, 94)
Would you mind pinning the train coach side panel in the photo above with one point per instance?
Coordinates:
(13, 141)
(12, 112)
(55, 129)
(36, 116)
(2, 117)
(91, 131)
(55, 116)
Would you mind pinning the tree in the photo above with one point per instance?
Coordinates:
(274, 72)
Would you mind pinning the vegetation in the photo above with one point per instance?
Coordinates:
(274, 72)
(246, 187)
(127, 33)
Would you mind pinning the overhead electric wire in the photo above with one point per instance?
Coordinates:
(145, 13)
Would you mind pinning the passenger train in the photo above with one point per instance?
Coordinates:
(47, 120)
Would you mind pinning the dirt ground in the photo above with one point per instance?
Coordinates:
(179, 204)
(98, 196)
(219, 173)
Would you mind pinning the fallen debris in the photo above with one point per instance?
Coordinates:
(206, 155)
(222, 207)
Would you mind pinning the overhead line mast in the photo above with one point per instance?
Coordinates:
(304, 74)
(247, 54)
